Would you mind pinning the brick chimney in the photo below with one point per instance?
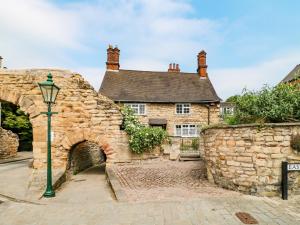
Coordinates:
(202, 67)
(174, 68)
(113, 55)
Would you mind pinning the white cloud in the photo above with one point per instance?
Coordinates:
(38, 33)
(39, 21)
(150, 34)
(231, 81)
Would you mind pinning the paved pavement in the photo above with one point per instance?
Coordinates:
(14, 179)
(20, 156)
(88, 200)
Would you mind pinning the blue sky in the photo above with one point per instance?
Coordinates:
(249, 43)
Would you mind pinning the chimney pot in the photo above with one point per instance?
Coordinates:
(173, 67)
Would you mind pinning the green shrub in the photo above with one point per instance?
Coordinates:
(141, 138)
(274, 105)
(295, 142)
(195, 143)
(18, 122)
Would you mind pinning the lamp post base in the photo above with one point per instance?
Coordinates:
(49, 194)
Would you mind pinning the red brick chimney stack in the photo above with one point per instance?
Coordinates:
(174, 68)
(202, 67)
(113, 55)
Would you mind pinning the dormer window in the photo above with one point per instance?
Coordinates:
(183, 108)
(138, 108)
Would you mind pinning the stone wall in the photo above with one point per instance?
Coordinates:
(83, 115)
(198, 115)
(248, 158)
(9, 143)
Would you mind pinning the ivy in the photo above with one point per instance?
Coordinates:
(141, 138)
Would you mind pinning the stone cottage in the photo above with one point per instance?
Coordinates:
(177, 101)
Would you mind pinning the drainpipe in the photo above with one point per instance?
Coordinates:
(208, 114)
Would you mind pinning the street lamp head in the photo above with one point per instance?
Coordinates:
(49, 90)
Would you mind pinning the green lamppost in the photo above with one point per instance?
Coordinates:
(49, 92)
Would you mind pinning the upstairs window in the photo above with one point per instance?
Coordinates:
(138, 108)
(183, 108)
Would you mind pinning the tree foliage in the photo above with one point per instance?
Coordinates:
(232, 98)
(141, 138)
(274, 105)
(12, 118)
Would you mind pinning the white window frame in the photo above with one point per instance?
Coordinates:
(138, 107)
(188, 128)
(184, 106)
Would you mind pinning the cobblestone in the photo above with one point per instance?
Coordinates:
(166, 180)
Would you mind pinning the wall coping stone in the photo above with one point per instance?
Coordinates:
(260, 125)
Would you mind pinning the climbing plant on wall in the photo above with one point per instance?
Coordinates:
(141, 138)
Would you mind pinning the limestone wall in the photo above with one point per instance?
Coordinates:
(248, 158)
(83, 115)
(9, 143)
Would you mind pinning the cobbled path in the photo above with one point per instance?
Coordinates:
(166, 180)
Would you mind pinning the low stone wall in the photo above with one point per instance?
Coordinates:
(248, 158)
(9, 143)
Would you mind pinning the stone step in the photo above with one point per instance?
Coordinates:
(189, 159)
(190, 154)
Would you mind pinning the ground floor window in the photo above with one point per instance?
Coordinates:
(187, 130)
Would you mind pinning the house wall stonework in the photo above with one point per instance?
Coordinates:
(198, 115)
(9, 143)
(248, 158)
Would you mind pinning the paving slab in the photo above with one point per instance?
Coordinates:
(87, 199)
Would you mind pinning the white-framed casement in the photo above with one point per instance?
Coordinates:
(138, 108)
(183, 108)
(187, 130)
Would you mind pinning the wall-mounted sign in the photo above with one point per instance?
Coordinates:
(285, 168)
(293, 166)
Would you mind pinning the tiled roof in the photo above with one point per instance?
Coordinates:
(294, 74)
(146, 86)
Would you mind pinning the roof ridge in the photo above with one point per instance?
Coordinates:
(157, 71)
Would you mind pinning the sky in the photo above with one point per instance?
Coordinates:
(249, 43)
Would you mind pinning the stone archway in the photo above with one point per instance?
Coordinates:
(84, 155)
(27, 105)
(83, 115)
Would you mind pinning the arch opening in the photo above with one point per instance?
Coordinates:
(17, 121)
(84, 155)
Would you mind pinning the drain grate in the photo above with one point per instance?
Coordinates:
(246, 218)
